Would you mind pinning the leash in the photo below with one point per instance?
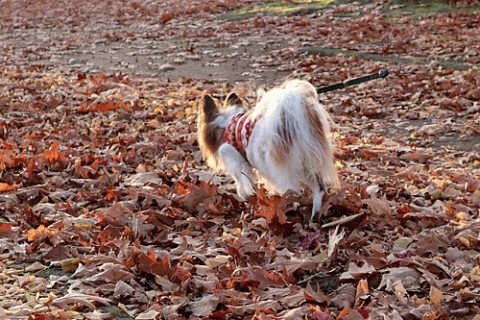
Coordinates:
(233, 131)
(341, 85)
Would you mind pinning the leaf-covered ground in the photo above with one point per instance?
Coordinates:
(108, 212)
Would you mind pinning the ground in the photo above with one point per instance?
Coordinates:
(107, 210)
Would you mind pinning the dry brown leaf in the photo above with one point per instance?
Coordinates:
(436, 296)
(53, 154)
(122, 290)
(5, 187)
(334, 239)
(355, 272)
(362, 289)
(6, 230)
(82, 299)
(205, 305)
(262, 278)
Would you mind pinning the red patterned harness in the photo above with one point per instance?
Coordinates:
(238, 132)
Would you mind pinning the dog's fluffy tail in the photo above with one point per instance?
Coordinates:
(301, 139)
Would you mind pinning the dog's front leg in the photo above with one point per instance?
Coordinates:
(237, 166)
(318, 193)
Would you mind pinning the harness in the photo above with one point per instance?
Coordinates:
(238, 132)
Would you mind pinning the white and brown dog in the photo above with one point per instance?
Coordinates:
(284, 139)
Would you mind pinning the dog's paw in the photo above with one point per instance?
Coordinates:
(249, 190)
(241, 193)
(245, 190)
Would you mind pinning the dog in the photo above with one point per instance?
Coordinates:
(284, 140)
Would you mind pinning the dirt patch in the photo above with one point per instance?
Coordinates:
(217, 60)
(418, 9)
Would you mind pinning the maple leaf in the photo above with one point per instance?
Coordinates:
(274, 207)
(380, 207)
(6, 230)
(38, 234)
(103, 106)
(356, 272)
(122, 289)
(111, 272)
(315, 296)
(436, 296)
(150, 264)
(6, 160)
(58, 253)
(350, 314)
(5, 187)
(198, 194)
(181, 274)
(263, 278)
(205, 306)
(54, 156)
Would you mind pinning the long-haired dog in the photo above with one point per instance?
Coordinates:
(285, 139)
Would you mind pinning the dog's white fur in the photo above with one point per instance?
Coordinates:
(289, 147)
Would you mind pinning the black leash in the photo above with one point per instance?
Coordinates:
(377, 75)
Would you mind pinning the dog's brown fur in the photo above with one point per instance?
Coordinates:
(281, 151)
(210, 135)
(316, 125)
(233, 100)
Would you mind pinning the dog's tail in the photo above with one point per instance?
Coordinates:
(304, 133)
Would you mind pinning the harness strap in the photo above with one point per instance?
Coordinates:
(238, 132)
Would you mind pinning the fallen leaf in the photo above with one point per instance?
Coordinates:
(5, 187)
(436, 296)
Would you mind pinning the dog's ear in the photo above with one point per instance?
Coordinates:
(233, 100)
(208, 107)
(260, 93)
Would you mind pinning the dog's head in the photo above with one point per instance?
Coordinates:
(211, 123)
